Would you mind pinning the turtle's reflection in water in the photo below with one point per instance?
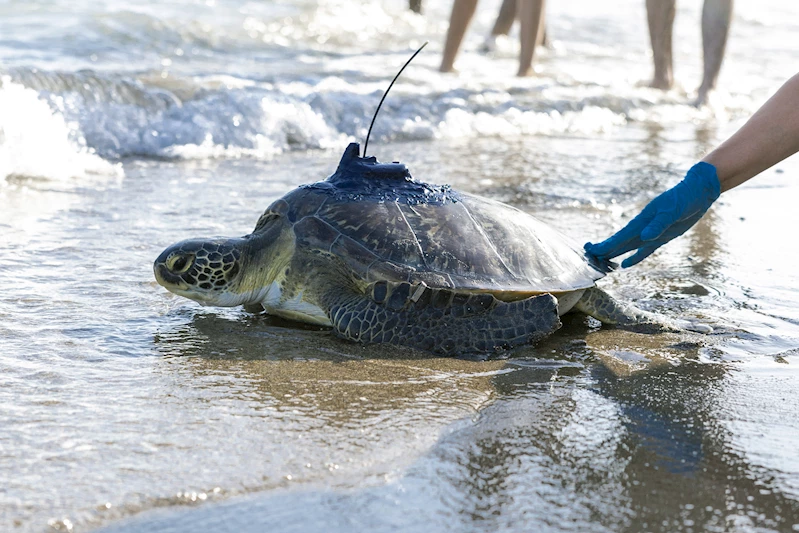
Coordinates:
(311, 407)
(574, 434)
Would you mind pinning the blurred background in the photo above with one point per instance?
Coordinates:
(92, 82)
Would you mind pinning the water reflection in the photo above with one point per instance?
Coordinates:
(683, 467)
(554, 435)
(601, 430)
(704, 249)
(568, 443)
(640, 452)
(307, 369)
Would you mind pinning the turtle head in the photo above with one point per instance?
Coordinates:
(205, 270)
(230, 272)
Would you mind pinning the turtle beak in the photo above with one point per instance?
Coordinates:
(167, 279)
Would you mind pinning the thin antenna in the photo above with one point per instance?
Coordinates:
(366, 144)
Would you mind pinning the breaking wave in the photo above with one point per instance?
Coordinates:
(84, 119)
(37, 140)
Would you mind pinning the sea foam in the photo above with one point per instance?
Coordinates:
(37, 141)
(86, 118)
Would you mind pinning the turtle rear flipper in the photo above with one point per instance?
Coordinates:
(605, 308)
(441, 321)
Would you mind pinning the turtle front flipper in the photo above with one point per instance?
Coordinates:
(441, 321)
(605, 308)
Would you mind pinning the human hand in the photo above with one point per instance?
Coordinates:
(668, 216)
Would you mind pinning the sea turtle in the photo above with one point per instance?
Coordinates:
(383, 258)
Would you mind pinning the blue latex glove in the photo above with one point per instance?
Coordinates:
(668, 216)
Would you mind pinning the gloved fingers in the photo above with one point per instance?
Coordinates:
(669, 215)
(621, 242)
(640, 255)
(614, 249)
(662, 221)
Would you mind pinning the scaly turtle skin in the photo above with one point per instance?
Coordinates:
(381, 257)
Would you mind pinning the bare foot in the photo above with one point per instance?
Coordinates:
(702, 96)
(661, 83)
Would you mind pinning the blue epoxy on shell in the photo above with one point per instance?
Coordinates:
(366, 179)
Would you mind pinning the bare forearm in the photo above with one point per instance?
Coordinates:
(771, 135)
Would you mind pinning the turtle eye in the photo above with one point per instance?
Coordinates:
(179, 263)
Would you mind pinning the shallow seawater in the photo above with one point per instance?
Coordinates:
(126, 408)
(119, 397)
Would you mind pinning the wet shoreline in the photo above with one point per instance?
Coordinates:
(257, 399)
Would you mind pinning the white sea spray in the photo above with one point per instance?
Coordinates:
(37, 141)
